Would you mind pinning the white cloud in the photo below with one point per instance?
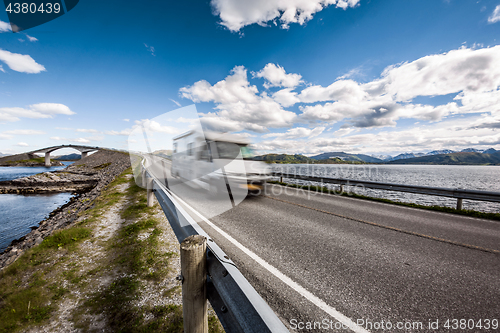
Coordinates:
(441, 74)
(5, 27)
(77, 140)
(151, 126)
(22, 144)
(276, 76)
(345, 90)
(127, 120)
(87, 130)
(20, 62)
(472, 74)
(31, 39)
(35, 111)
(154, 126)
(297, 132)
(495, 16)
(175, 102)
(235, 14)
(124, 132)
(239, 103)
(5, 136)
(286, 97)
(24, 132)
(150, 49)
(469, 77)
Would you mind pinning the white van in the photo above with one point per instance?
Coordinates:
(218, 162)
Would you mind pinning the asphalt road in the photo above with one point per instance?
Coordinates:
(373, 262)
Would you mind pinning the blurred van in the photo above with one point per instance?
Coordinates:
(218, 162)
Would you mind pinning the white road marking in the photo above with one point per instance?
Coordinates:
(285, 279)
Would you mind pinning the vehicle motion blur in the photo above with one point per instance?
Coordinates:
(218, 162)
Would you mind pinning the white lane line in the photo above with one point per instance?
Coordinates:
(285, 279)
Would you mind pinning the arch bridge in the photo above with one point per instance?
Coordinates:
(82, 149)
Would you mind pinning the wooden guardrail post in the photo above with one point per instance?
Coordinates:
(149, 192)
(194, 281)
(144, 178)
(459, 203)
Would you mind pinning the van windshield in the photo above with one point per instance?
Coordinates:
(229, 150)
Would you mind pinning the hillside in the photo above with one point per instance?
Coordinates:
(69, 157)
(347, 157)
(462, 158)
(284, 158)
(301, 159)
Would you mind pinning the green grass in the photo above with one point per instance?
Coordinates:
(102, 166)
(24, 284)
(64, 238)
(465, 212)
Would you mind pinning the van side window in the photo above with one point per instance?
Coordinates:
(190, 149)
(175, 147)
(203, 153)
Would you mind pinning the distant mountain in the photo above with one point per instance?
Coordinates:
(468, 156)
(407, 156)
(471, 150)
(348, 157)
(69, 157)
(438, 152)
(462, 158)
(382, 157)
(490, 151)
(2, 154)
(301, 159)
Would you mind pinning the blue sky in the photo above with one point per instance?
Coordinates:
(297, 76)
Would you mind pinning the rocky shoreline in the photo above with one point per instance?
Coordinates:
(31, 164)
(67, 180)
(86, 178)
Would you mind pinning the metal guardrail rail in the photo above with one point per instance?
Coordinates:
(459, 194)
(238, 306)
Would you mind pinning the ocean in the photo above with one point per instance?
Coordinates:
(20, 212)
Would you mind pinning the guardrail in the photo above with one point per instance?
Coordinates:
(238, 306)
(459, 194)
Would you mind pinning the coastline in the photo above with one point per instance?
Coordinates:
(94, 173)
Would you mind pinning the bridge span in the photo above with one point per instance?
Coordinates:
(82, 149)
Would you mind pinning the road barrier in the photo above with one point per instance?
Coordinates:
(238, 306)
(459, 194)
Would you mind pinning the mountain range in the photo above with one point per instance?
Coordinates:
(444, 156)
(387, 158)
(468, 156)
